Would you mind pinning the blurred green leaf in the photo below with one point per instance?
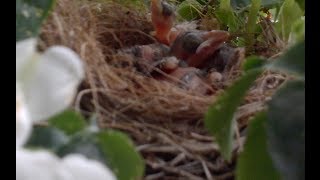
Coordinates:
(29, 17)
(189, 9)
(226, 15)
(293, 61)
(301, 4)
(83, 143)
(203, 2)
(252, 62)
(289, 13)
(120, 153)
(298, 31)
(68, 121)
(219, 117)
(244, 4)
(255, 161)
(286, 130)
(252, 20)
(47, 137)
(110, 147)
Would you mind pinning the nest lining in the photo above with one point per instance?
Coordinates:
(164, 121)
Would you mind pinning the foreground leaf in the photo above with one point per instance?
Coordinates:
(29, 17)
(121, 155)
(47, 137)
(69, 122)
(289, 13)
(301, 4)
(219, 117)
(255, 161)
(293, 61)
(109, 147)
(286, 130)
(252, 62)
(297, 33)
(252, 20)
(83, 143)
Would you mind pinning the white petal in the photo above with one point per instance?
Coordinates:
(83, 169)
(53, 85)
(24, 51)
(23, 121)
(39, 165)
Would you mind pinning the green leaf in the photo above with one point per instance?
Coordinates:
(29, 17)
(203, 2)
(219, 117)
(68, 121)
(47, 137)
(244, 4)
(297, 33)
(289, 13)
(252, 20)
(293, 61)
(286, 130)
(111, 148)
(301, 4)
(252, 62)
(255, 161)
(83, 143)
(226, 15)
(120, 153)
(189, 9)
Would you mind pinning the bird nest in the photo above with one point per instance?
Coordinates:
(164, 121)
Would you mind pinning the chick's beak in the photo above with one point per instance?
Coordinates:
(162, 16)
(156, 7)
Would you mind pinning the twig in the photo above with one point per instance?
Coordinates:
(175, 170)
(177, 159)
(206, 170)
(201, 137)
(155, 176)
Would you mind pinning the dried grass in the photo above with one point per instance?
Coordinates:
(164, 121)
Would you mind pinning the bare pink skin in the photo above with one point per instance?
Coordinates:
(187, 78)
(163, 18)
(213, 40)
(204, 45)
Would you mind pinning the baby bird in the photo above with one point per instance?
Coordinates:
(186, 56)
(194, 46)
(162, 17)
(148, 59)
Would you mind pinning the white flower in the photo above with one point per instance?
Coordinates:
(39, 165)
(23, 122)
(46, 84)
(82, 168)
(49, 80)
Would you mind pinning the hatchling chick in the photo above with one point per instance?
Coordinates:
(151, 60)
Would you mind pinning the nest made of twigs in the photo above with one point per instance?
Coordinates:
(164, 121)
